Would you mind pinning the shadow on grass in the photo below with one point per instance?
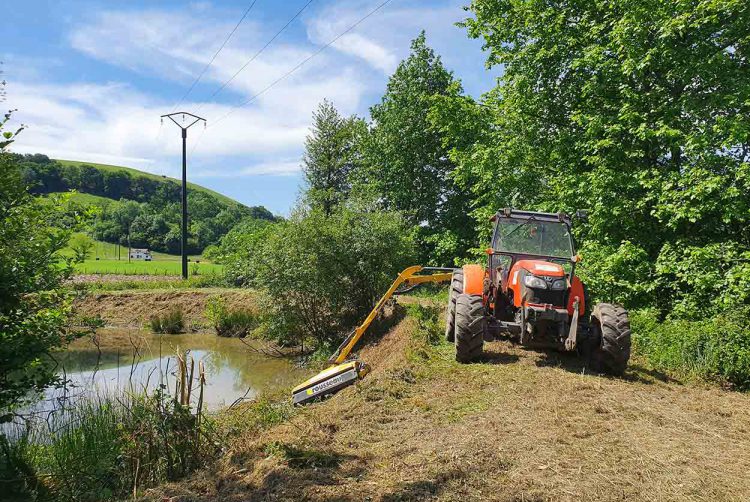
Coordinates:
(578, 363)
(492, 357)
(392, 314)
(423, 489)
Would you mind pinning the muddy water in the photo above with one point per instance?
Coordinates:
(120, 359)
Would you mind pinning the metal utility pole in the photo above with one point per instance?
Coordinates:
(184, 128)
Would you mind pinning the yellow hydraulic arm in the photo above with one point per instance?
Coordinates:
(406, 277)
(341, 374)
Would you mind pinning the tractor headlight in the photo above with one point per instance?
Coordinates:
(534, 282)
(558, 284)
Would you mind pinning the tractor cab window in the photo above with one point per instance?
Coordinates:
(533, 237)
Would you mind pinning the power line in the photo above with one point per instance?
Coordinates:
(258, 53)
(197, 79)
(300, 64)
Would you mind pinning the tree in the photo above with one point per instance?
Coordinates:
(408, 161)
(321, 274)
(330, 157)
(33, 308)
(81, 245)
(637, 111)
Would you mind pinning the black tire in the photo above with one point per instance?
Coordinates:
(457, 287)
(471, 324)
(612, 353)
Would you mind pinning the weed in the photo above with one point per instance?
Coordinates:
(172, 322)
(230, 322)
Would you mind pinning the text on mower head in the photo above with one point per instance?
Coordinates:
(315, 389)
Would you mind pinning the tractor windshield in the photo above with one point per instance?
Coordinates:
(533, 237)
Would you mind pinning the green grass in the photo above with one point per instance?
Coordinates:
(156, 267)
(104, 447)
(162, 264)
(137, 173)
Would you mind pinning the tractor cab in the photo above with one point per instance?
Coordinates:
(532, 262)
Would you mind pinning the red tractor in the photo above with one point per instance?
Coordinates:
(529, 293)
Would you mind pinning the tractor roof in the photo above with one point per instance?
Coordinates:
(524, 215)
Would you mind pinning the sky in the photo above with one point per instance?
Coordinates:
(90, 79)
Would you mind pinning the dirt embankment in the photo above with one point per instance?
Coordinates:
(133, 308)
(520, 425)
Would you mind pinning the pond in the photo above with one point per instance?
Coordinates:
(136, 360)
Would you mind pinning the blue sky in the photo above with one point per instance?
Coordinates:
(90, 79)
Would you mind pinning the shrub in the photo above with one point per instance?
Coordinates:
(228, 322)
(322, 274)
(172, 322)
(716, 349)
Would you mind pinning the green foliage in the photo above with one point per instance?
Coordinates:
(107, 447)
(237, 323)
(172, 322)
(636, 111)
(322, 274)
(81, 245)
(716, 348)
(407, 160)
(239, 249)
(331, 156)
(33, 308)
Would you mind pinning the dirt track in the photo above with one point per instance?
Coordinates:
(520, 425)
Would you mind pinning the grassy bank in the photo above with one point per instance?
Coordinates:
(106, 446)
(519, 425)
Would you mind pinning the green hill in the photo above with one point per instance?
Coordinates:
(139, 207)
(137, 173)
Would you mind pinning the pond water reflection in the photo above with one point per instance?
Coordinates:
(135, 360)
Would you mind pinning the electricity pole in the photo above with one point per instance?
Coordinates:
(184, 128)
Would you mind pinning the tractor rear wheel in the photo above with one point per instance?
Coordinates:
(613, 351)
(471, 324)
(457, 287)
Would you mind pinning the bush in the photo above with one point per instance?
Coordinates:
(172, 322)
(228, 322)
(322, 274)
(715, 349)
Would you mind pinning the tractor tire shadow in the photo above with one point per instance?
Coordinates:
(579, 363)
(495, 354)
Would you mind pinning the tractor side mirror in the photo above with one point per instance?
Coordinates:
(576, 258)
(489, 251)
(582, 215)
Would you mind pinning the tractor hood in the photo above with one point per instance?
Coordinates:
(540, 268)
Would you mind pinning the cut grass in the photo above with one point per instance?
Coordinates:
(520, 425)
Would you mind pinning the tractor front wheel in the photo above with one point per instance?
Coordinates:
(457, 287)
(471, 324)
(612, 325)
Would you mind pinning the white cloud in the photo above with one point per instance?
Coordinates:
(118, 123)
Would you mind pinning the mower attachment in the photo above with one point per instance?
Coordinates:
(329, 381)
(343, 373)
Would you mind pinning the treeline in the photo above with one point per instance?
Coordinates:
(635, 111)
(144, 211)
